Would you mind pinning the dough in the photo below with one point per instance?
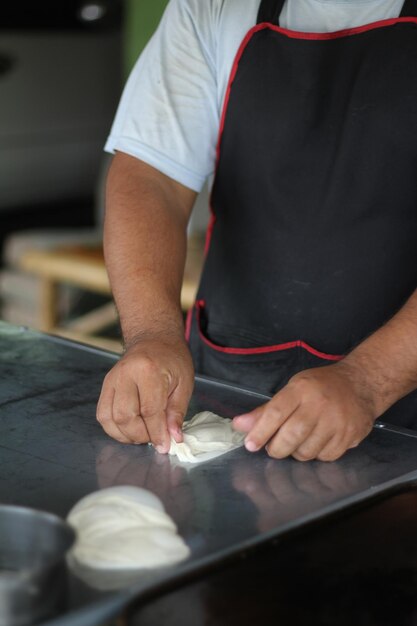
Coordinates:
(109, 579)
(206, 436)
(124, 528)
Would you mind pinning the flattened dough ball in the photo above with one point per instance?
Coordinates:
(206, 436)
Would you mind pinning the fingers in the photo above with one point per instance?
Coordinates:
(300, 437)
(126, 412)
(313, 446)
(306, 438)
(177, 407)
(105, 413)
(145, 396)
(320, 414)
(245, 422)
(176, 410)
(333, 450)
(153, 400)
(270, 418)
(133, 405)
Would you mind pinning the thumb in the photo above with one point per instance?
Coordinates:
(246, 421)
(176, 410)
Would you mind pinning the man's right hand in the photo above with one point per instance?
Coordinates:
(145, 396)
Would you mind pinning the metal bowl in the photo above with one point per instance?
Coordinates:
(33, 545)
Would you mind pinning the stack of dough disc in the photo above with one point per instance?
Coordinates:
(124, 528)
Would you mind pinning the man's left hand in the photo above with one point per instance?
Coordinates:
(319, 414)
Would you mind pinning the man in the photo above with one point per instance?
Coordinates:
(312, 246)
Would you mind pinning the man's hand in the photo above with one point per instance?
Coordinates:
(320, 414)
(145, 396)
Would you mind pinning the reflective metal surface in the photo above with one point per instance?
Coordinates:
(33, 546)
(358, 568)
(53, 452)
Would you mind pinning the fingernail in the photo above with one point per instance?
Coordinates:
(251, 446)
(160, 449)
(176, 434)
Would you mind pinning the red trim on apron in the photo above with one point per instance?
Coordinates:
(292, 34)
(200, 304)
(347, 32)
(188, 323)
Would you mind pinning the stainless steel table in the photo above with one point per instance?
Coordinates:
(53, 452)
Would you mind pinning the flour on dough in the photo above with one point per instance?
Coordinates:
(206, 436)
(124, 528)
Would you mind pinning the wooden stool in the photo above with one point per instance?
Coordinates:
(83, 266)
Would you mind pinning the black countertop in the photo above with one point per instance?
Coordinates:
(359, 568)
(267, 527)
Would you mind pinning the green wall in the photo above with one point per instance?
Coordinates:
(141, 19)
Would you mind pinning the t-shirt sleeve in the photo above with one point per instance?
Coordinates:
(168, 114)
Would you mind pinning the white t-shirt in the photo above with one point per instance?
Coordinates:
(170, 109)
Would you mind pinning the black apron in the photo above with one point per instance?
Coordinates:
(313, 240)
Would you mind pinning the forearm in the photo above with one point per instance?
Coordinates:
(145, 246)
(387, 360)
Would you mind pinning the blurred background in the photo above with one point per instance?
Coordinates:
(62, 70)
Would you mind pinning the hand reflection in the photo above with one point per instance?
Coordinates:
(122, 465)
(288, 488)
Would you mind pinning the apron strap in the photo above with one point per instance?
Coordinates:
(409, 9)
(270, 10)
